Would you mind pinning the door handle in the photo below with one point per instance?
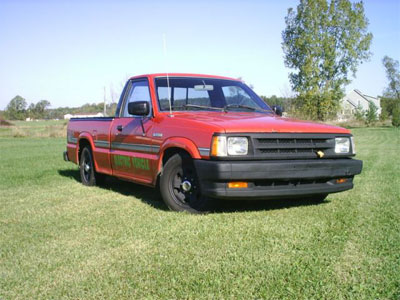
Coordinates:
(119, 127)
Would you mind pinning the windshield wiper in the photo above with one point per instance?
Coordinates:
(228, 106)
(201, 107)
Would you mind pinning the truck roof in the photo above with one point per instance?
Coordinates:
(183, 75)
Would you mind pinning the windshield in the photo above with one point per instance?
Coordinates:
(207, 94)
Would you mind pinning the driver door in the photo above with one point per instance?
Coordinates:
(132, 152)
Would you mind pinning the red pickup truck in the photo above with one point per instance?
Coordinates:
(201, 137)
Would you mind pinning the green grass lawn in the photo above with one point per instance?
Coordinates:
(59, 239)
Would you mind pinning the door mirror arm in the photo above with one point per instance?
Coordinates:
(141, 123)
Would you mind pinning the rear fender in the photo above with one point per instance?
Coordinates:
(86, 136)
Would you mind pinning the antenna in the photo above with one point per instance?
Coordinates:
(168, 90)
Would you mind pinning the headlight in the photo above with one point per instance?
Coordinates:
(342, 145)
(223, 146)
(238, 146)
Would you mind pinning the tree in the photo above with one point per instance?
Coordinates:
(323, 41)
(31, 111)
(16, 109)
(371, 114)
(383, 116)
(40, 108)
(359, 113)
(388, 105)
(393, 75)
(42, 105)
(391, 95)
(396, 117)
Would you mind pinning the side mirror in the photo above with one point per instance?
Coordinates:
(277, 109)
(139, 108)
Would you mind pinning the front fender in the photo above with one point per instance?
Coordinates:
(181, 143)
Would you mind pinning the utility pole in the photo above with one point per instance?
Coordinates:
(105, 106)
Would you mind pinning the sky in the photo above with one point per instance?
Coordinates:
(69, 52)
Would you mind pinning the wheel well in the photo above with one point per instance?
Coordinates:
(167, 155)
(172, 151)
(82, 144)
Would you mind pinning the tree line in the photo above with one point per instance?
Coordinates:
(18, 109)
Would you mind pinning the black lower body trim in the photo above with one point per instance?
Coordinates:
(278, 178)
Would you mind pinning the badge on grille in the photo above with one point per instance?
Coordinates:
(320, 154)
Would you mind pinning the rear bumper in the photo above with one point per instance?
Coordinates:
(276, 178)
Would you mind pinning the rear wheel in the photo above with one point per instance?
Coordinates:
(179, 186)
(89, 176)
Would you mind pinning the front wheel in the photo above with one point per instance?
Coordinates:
(179, 186)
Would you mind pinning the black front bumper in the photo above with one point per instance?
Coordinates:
(276, 178)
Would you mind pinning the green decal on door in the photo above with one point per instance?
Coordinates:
(137, 162)
(122, 161)
(140, 163)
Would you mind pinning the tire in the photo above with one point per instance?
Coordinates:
(179, 186)
(89, 176)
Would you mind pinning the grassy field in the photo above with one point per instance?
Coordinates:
(59, 239)
(42, 128)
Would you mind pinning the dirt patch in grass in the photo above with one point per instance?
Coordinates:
(5, 123)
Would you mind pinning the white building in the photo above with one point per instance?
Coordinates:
(354, 99)
(83, 115)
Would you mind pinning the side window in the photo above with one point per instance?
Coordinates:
(236, 95)
(139, 91)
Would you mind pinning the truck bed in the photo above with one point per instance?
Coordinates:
(96, 130)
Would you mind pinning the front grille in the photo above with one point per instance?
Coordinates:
(293, 145)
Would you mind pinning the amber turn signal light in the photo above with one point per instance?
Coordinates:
(237, 185)
(214, 146)
(218, 147)
(341, 180)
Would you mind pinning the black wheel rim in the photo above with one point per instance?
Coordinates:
(87, 166)
(184, 186)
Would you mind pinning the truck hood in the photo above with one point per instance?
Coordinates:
(234, 122)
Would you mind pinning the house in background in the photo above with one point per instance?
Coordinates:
(353, 100)
(83, 115)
